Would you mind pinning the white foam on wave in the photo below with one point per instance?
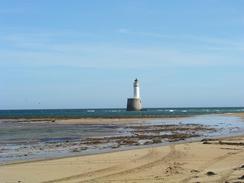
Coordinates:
(90, 110)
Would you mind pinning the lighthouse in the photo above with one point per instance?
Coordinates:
(136, 89)
(134, 104)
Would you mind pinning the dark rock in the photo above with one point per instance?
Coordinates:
(204, 140)
(210, 173)
(156, 140)
(83, 148)
(242, 177)
(75, 150)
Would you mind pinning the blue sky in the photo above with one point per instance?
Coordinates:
(86, 54)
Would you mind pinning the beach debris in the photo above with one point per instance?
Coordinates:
(157, 177)
(58, 145)
(231, 143)
(242, 177)
(210, 173)
(195, 171)
(174, 168)
(208, 139)
(239, 168)
(116, 145)
(83, 148)
(228, 148)
(127, 141)
(78, 149)
(75, 150)
(156, 140)
(145, 142)
(220, 142)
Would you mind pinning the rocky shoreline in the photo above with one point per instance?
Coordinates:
(35, 140)
(139, 135)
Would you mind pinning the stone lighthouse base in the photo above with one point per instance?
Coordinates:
(134, 104)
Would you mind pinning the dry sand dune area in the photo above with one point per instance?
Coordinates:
(215, 160)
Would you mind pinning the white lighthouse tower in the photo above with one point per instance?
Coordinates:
(136, 89)
(134, 104)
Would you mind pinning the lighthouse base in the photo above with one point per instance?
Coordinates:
(134, 104)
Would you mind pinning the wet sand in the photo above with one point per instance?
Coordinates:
(38, 141)
(221, 160)
(95, 121)
(239, 114)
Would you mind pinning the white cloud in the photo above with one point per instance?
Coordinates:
(213, 42)
(110, 56)
(42, 49)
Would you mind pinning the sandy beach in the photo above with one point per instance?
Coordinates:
(220, 160)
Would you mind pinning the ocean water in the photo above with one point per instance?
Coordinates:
(115, 112)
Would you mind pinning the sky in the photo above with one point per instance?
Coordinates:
(86, 53)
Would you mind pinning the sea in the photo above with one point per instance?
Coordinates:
(115, 112)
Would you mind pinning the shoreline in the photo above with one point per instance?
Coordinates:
(179, 162)
(135, 137)
(44, 140)
(89, 120)
(195, 140)
(190, 160)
